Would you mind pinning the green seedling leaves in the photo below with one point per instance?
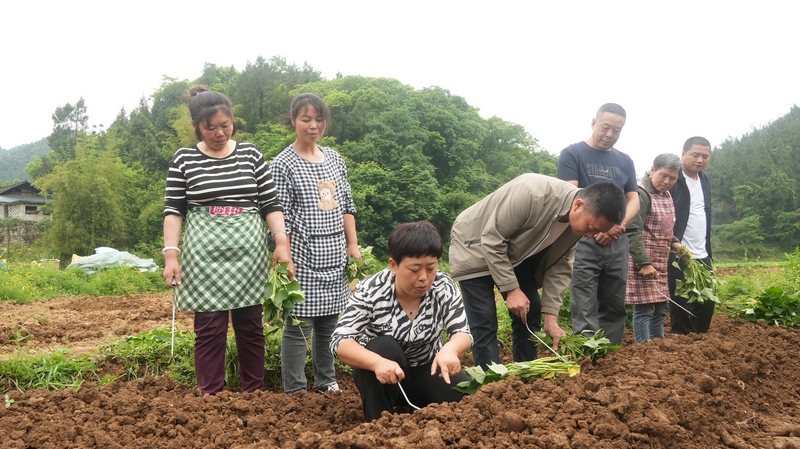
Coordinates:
(280, 298)
(578, 346)
(698, 283)
(360, 269)
(545, 368)
(774, 306)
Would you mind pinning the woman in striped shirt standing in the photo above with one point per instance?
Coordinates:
(224, 191)
(320, 219)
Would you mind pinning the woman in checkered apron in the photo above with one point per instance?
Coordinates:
(650, 238)
(320, 220)
(224, 191)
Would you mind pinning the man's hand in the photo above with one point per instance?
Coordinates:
(616, 231)
(606, 238)
(518, 304)
(552, 329)
(603, 238)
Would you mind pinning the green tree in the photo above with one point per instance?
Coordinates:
(744, 236)
(69, 122)
(262, 90)
(220, 79)
(87, 200)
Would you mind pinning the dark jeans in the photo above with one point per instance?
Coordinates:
(479, 304)
(211, 333)
(420, 387)
(599, 283)
(682, 322)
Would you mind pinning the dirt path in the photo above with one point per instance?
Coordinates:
(737, 386)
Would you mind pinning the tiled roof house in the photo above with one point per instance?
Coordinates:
(22, 200)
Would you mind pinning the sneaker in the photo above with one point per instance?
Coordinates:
(334, 387)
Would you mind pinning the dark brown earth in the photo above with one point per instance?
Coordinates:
(737, 386)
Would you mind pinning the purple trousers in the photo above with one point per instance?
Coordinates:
(211, 333)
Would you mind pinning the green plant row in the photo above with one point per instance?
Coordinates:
(146, 354)
(27, 283)
(773, 305)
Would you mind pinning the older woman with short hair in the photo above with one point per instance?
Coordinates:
(650, 239)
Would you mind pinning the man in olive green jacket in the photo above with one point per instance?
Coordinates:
(521, 238)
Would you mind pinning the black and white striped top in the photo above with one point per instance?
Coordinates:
(373, 311)
(242, 179)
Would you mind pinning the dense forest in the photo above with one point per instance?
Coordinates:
(755, 181)
(411, 154)
(13, 162)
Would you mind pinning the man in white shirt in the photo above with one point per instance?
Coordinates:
(692, 197)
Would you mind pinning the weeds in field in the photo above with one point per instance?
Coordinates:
(503, 325)
(148, 354)
(791, 270)
(764, 291)
(773, 306)
(26, 283)
(56, 371)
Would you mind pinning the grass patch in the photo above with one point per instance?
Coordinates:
(26, 283)
(146, 354)
(56, 371)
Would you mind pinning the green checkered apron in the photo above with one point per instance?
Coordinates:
(224, 264)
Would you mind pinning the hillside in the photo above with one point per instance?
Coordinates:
(755, 187)
(14, 161)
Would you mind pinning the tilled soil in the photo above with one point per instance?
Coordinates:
(737, 386)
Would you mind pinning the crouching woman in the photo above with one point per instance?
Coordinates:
(391, 331)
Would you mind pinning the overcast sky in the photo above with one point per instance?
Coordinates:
(709, 68)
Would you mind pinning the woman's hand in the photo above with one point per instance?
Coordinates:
(283, 254)
(648, 271)
(172, 270)
(447, 362)
(389, 372)
(352, 251)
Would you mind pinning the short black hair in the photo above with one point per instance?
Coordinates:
(696, 140)
(415, 239)
(605, 199)
(612, 108)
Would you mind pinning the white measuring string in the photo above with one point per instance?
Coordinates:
(404, 395)
(668, 298)
(172, 343)
(546, 345)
